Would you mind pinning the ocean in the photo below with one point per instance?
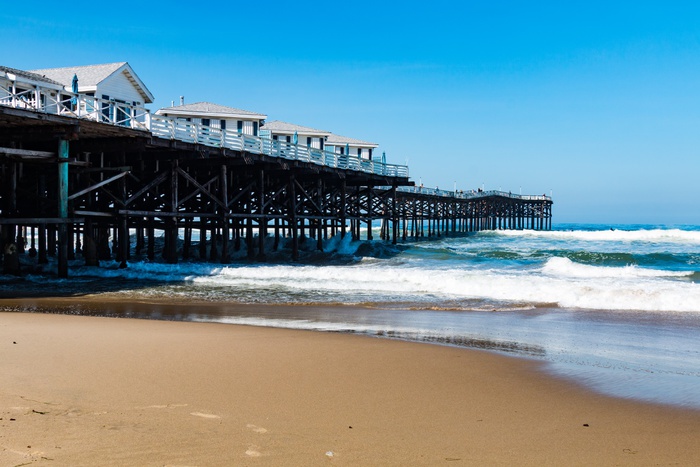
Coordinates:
(615, 308)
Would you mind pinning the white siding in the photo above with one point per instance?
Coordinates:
(119, 87)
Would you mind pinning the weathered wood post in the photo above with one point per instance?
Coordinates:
(32, 247)
(293, 218)
(394, 216)
(89, 243)
(187, 242)
(151, 246)
(139, 237)
(249, 244)
(343, 208)
(224, 215)
(262, 221)
(171, 221)
(123, 221)
(7, 243)
(123, 241)
(370, 207)
(62, 207)
(319, 222)
(202, 239)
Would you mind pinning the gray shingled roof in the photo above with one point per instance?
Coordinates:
(334, 139)
(205, 109)
(29, 75)
(89, 76)
(277, 126)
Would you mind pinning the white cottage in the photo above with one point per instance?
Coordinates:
(111, 81)
(20, 88)
(351, 146)
(116, 84)
(217, 116)
(284, 132)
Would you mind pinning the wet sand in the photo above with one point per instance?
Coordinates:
(80, 390)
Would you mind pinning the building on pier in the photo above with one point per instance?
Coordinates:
(111, 82)
(217, 117)
(344, 145)
(20, 88)
(286, 132)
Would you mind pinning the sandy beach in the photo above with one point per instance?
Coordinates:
(80, 390)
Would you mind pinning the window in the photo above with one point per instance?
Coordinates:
(206, 122)
(123, 112)
(106, 108)
(223, 124)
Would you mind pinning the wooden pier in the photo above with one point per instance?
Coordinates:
(74, 178)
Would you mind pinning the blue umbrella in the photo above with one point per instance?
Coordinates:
(295, 138)
(74, 88)
(347, 149)
(383, 157)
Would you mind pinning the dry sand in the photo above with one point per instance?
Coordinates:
(105, 391)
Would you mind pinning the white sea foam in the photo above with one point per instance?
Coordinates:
(559, 281)
(435, 279)
(564, 267)
(642, 235)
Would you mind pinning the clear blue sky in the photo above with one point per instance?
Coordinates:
(596, 102)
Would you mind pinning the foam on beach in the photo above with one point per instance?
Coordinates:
(557, 281)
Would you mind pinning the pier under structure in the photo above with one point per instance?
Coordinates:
(82, 176)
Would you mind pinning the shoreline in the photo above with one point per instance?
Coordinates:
(92, 390)
(648, 380)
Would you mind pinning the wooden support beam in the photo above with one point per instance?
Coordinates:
(27, 153)
(96, 186)
(40, 220)
(157, 181)
(201, 188)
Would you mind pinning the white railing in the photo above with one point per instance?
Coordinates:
(81, 106)
(52, 101)
(171, 128)
(471, 194)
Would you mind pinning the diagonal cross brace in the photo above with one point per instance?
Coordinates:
(202, 188)
(97, 185)
(157, 181)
